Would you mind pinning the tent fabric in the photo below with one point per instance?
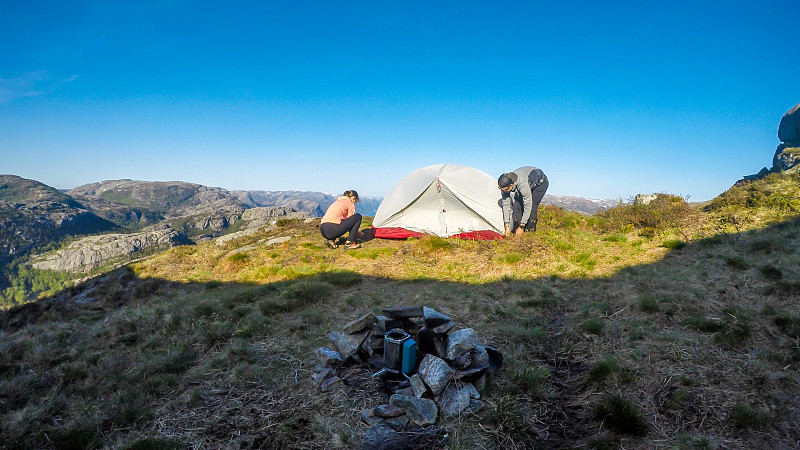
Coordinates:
(445, 200)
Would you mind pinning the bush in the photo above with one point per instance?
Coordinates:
(621, 416)
(745, 416)
(341, 279)
(663, 213)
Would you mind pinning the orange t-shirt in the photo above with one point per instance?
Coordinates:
(339, 210)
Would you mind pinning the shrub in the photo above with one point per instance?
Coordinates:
(674, 244)
(621, 415)
(745, 416)
(593, 326)
(663, 213)
(308, 291)
(603, 368)
(648, 304)
(341, 279)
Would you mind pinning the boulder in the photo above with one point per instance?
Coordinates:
(454, 399)
(360, 324)
(403, 312)
(388, 410)
(328, 357)
(433, 318)
(421, 411)
(347, 344)
(435, 372)
(789, 128)
(461, 341)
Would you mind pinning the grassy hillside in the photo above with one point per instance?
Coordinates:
(656, 326)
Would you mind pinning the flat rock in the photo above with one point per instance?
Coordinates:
(389, 410)
(435, 372)
(421, 411)
(332, 384)
(398, 423)
(322, 375)
(360, 324)
(328, 357)
(454, 399)
(463, 360)
(433, 318)
(382, 437)
(347, 344)
(403, 312)
(444, 328)
(418, 386)
(461, 341)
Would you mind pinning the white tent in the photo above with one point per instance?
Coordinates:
(444, 200)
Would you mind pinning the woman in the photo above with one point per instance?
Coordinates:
(340, 218)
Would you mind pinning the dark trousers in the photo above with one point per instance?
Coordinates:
(334, 231)
(537, 192)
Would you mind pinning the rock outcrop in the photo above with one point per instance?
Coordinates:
(787, 155)
(91, 252)
(34, 215)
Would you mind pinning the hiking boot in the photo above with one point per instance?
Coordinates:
(331, 244)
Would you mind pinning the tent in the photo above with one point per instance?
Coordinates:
(445, 200)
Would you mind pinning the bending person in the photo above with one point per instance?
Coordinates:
(340, 218)
(522, 191)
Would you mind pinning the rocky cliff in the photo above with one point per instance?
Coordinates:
(91, 252)
(34, 215)
(787, 155)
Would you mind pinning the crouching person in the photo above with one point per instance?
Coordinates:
(341, 218)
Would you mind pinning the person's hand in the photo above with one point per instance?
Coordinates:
(519, 231)
(508, 231)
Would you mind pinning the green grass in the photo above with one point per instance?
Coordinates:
(621, 415)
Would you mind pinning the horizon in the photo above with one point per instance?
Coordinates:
(610, 100)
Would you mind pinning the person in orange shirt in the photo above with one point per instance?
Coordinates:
(340, 218)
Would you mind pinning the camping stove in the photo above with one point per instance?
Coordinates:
(399, 353)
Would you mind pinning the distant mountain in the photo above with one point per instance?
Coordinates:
(586, 206)
(312, 203)
(194, 209)
(34, 216)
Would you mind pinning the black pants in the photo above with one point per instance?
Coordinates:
(333, 231)
(537, 192)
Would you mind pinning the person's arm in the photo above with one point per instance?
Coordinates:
(527, 202)
(507, 213)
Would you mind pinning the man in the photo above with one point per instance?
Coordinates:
(522, 191)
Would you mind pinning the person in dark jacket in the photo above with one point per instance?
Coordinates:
(522, 191)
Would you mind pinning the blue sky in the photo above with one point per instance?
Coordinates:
(611, 98)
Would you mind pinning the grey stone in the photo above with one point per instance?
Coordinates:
(418, 385)
(789, 127)
(474, 406)
(332, 383)
(347, 344)
(368, 415)
(403, 312)
(444, 328)
(473, 393)
(460, 341)
(421, 411)
(409, 391)
(454, 399)
(388, 410)
(463, 360)
(328, 357)
(435, 372)
(360, 324)
(323, 374)
(382, 437)
(433, 318)
(397, 423)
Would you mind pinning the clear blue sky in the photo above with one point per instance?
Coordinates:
(611, 98)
